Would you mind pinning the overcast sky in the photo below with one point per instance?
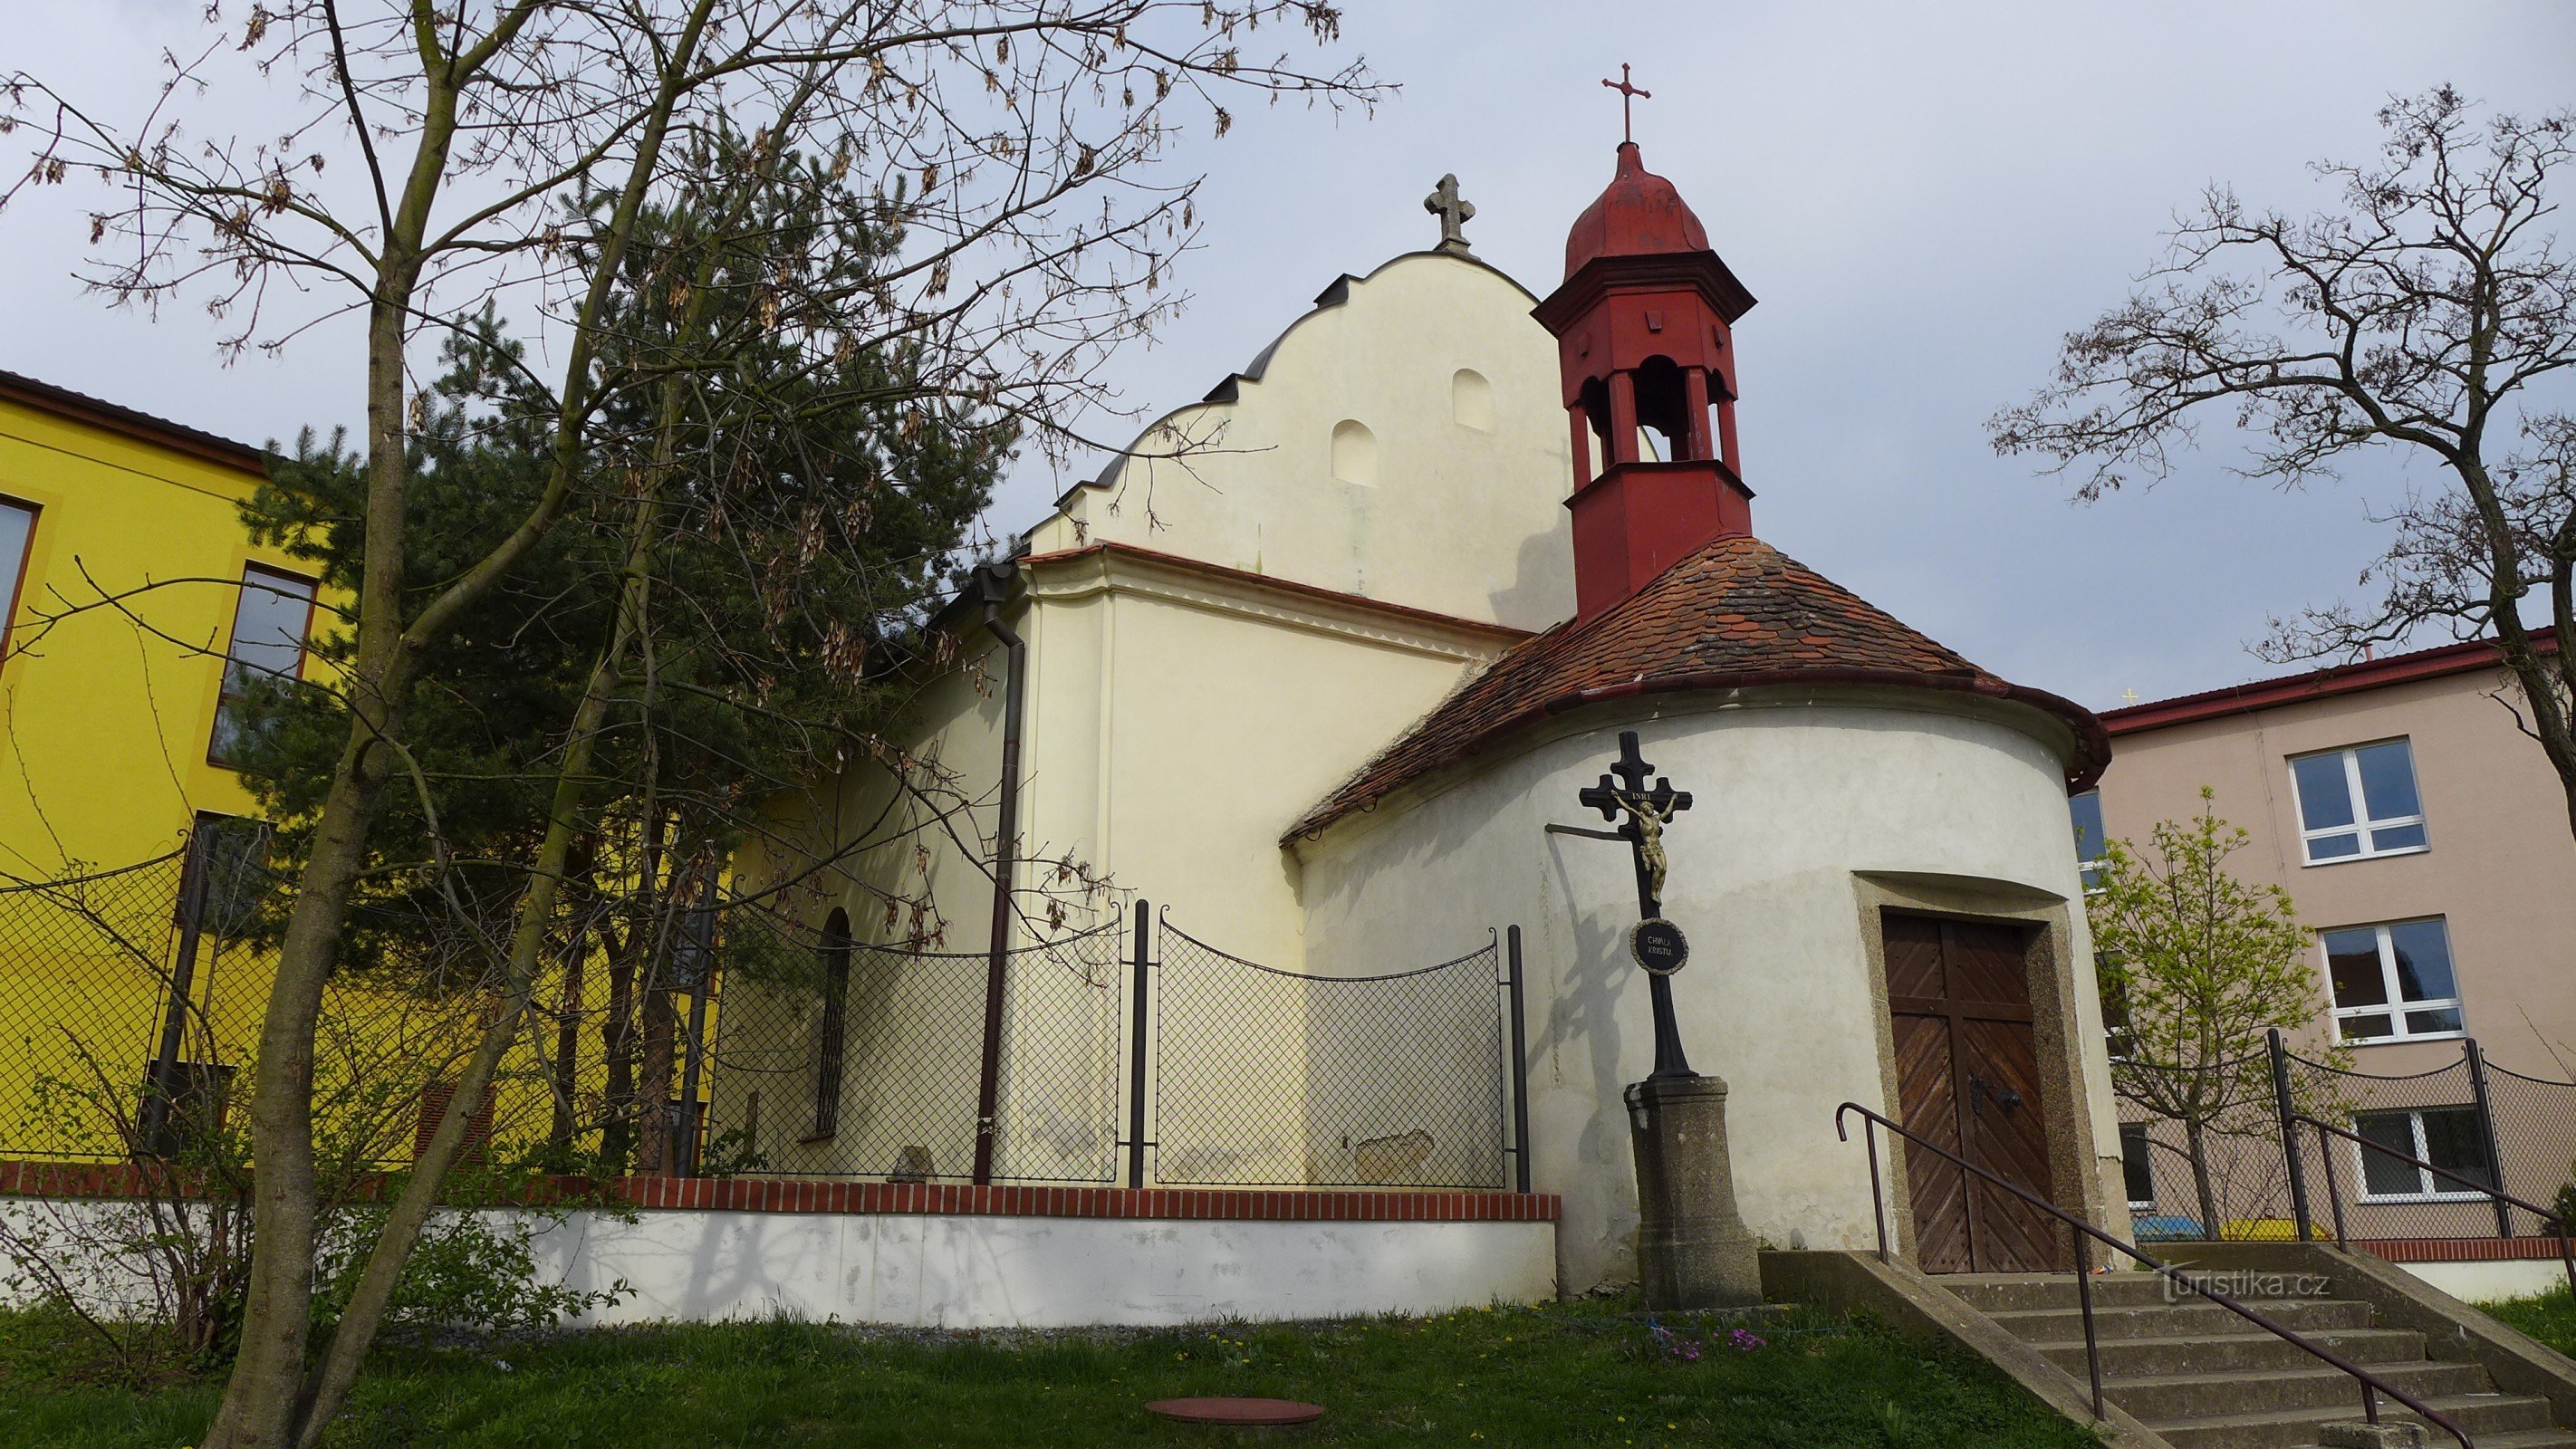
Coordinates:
(1923, 198)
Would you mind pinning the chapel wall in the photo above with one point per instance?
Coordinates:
(1798, 809)
(897, 1034)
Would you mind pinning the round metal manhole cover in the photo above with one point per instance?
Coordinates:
(1254, 1413)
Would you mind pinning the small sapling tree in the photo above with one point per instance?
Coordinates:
(2204, 967)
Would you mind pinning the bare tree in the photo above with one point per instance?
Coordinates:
(441, 156)
(2432, 313)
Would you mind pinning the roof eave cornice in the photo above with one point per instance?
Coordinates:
(1109, 566)
(110, 417)
(2089, 756)
(1603, 275)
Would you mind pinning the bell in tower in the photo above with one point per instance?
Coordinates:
(1643, 323)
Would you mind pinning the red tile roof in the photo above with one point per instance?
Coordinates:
(97, 412)
(1736, 614)
(2320, 683)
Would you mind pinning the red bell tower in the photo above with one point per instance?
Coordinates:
(1643, 324)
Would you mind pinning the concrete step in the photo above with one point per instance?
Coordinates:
(2204, 1395)
(2180, 1320)
(2519, 1439)
(2003, 1292)
(2483, 1415)
(2245, 1352)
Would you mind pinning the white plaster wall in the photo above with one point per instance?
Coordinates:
(1461, 519)
(1174, 728)
(84, 1242)
(953, 1272)
(1792, 801)
(1030, 1272)
(1226, 730)
(2491, 1282)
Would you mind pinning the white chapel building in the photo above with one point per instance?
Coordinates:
(1314, 666)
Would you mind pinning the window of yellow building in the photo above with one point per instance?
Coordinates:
(17, 532)
(270, 620)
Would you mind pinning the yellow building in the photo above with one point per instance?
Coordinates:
(124, 556)
(135, 605)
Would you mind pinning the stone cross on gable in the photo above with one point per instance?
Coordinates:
(1454, 211)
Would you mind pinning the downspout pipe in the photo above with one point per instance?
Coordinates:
(993, 584)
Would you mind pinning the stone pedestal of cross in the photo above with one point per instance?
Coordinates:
(1693, 1250)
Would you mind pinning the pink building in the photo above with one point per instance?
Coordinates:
(2425, 839)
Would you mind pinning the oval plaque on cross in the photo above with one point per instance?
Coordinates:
(1658, 945)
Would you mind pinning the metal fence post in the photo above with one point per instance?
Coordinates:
(702, 931)
(1520, 1069)
(2477, 1060)
(1136, 1059)
(154, 1137)
(2289, 1140)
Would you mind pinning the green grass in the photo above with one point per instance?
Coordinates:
(1574, 1374)
(2550, 1318)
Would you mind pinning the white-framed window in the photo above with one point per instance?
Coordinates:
(2447, 1137)
(2392, 982)
(2086, 812)
(2358, 803)
(271, 616)
(2137, 1166)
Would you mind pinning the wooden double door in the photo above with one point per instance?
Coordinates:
(1967, 1071)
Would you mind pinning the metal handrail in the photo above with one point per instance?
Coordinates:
(2549, 1216)
(2371, 1384)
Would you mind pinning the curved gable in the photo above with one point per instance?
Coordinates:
(1352, 455)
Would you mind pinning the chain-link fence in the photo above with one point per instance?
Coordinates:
(672, 1032)
(2205, 1148)
(86, 973)
(2202, 1147)
(132, 1001)
(1263, 1075)
(2535, 1141)
(838, 1059)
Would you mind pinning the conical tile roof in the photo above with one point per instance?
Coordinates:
(1736, 614)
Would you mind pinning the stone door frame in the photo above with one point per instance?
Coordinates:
(2075, 1175)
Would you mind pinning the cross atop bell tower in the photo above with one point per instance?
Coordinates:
(1627, 93)
(1644, 325)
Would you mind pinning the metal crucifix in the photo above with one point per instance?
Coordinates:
(1628, 96)
(1656, 943)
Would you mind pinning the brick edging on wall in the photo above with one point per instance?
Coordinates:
(746, 1194)
(805, 1195)
(2460, 1250)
